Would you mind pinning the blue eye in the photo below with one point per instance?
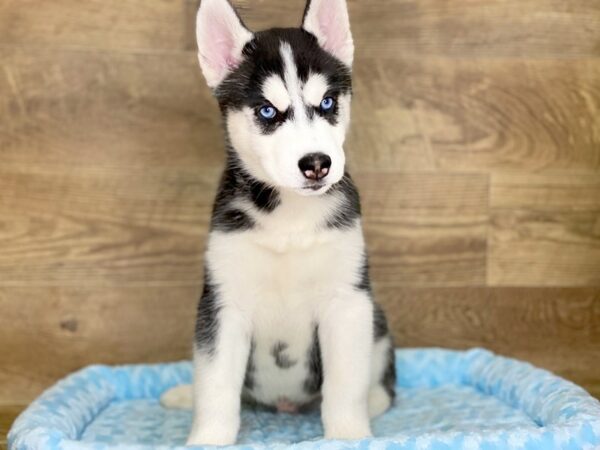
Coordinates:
(327, 103)
(267, 112)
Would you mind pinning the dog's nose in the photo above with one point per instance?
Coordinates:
(315, 166)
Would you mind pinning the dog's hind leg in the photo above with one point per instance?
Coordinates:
(383, 376)
(379, 400)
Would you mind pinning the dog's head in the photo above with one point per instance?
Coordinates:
(284, 92)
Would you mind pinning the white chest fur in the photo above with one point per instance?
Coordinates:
(280, 275)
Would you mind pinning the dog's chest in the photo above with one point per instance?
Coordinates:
(280, 292)
(296, 223)
(280, 275)
(290, 260)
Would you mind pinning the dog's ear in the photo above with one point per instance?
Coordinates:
(328, 21)
(221, 37)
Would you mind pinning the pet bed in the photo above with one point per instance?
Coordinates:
(445, 400)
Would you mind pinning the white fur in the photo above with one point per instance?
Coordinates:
(328, 20)
(315, 89)
(221, 38)
(279, 280)
(292, 82)
(275, 91)
(273, 158)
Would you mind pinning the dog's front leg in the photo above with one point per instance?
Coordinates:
(218, 378)
(346, 339)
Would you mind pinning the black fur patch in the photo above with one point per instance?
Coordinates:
(365, 281)
(389, 376)
(262, 58)
(249, 381)
(313, 382)
(349, 210)
(306, 9)
(207, 318)
(380, 325)
(237, 184)
(231, 219)
(264, 197)
(282, 360)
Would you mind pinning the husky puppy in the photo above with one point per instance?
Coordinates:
(286, 317)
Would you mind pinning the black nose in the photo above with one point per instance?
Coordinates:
(315, 166)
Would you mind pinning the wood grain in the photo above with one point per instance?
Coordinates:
(382, 28)
(436, 114)
(545, 230)
(57, 330)
(549, 192)
(477, 28)
(425, 229)
(63, 107)
(558, 329)
(102, 24)
(60, 226)
(544, 249)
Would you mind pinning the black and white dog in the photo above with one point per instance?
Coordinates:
(287, 316)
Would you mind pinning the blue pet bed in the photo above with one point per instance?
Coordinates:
(446, 400)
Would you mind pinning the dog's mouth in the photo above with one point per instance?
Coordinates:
(315, 186)
(313, 189)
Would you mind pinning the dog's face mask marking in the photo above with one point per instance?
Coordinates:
(284, 93)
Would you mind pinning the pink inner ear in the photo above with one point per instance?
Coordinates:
(332, 25)
(221, 55)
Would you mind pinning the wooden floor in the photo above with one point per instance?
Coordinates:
(475, 142)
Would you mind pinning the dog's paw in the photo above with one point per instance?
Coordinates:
(379, 401)
(349, 430)
(213, 435)
(179, 397)
(348, 434)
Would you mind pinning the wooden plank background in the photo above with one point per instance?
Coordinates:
(476, 145)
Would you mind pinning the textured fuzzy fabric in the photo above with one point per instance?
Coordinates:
(446, 400)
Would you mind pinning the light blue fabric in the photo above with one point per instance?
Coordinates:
(446, 400)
